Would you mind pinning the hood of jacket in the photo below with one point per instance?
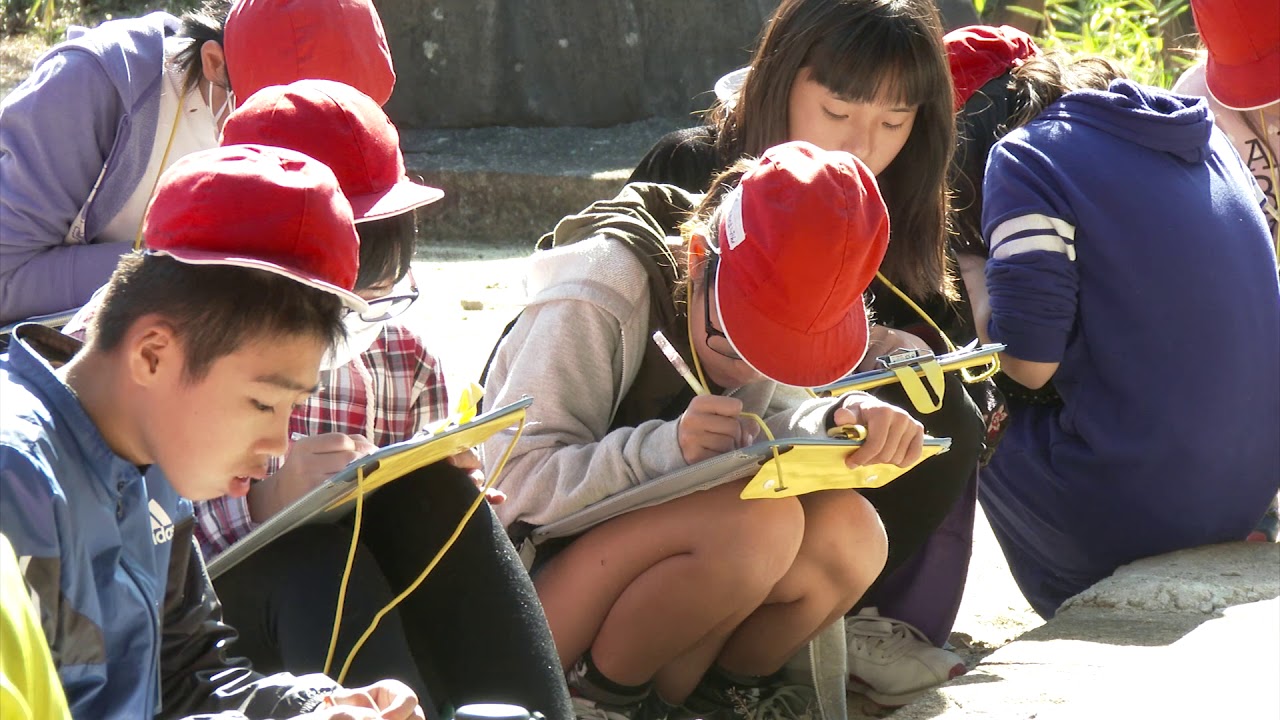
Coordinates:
(129, 50)
(1180, 125)
(577, 259)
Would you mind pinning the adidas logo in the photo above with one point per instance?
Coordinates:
(161, 525)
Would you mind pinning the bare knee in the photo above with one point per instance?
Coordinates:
(846, 541)
(756, 540)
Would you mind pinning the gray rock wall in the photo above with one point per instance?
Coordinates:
(588, 63)
(595, 63)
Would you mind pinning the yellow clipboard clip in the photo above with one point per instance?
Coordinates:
(908, 366)
(468, 405)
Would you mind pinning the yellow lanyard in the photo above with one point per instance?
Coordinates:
(965, 375)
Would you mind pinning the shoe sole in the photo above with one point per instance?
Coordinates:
(856, 685)
(888, 702)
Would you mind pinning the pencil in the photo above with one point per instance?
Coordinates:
(678, 362)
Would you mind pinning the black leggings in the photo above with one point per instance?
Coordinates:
(912, 506)
(472, 632)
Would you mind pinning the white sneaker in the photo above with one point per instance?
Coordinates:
(891, 662)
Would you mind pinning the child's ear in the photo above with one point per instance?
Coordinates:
(213, 63)
(153, 351)
(697, 246)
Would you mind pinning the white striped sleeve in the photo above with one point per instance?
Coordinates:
(1029, 233)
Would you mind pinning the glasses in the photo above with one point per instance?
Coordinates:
(716, 339)
(390, 306)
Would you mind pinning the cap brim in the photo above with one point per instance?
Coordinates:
(196, 257)
(1245, 87)
(783, 354)
(399, 198)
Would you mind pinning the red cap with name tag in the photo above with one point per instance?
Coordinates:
(801, 238)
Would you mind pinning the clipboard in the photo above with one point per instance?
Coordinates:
(335, 497)
(808, 464)
(910, 366)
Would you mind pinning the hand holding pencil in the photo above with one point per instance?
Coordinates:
(712, 424)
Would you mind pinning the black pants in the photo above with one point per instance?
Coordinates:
(282, 601)
(914, 505)
(472, 632)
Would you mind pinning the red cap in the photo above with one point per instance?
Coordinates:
(274, 42)
(342, 128)
(1243, 40)
(801, 238)
(979, 54)
(257, 207)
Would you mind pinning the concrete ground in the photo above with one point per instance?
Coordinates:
(1193, 634)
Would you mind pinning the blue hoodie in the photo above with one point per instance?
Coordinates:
(89, 109)
(1128, 245)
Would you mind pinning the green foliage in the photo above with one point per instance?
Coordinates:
(47, 17)
(1132, 32)
(50, 18)
(45, 9)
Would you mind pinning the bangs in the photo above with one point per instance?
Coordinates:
(890, 61)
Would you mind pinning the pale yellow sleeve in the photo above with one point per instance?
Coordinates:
(29, 684)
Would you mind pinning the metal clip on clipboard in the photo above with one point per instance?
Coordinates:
(908, 366)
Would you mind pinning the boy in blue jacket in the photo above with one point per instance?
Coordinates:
(200, 350)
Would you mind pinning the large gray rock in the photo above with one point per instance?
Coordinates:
(593, 63)
(1193, 634)
(473, 63)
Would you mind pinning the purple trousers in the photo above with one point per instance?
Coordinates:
(926, 590)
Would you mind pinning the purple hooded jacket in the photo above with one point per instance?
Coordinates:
(89, 110)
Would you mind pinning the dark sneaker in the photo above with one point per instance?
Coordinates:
(770, 702)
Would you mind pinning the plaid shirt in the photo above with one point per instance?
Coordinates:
(391, 392)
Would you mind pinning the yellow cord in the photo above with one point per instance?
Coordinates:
(965, 375)
(457, 531)
(346, 571)
(137, 239)
(697, 367)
